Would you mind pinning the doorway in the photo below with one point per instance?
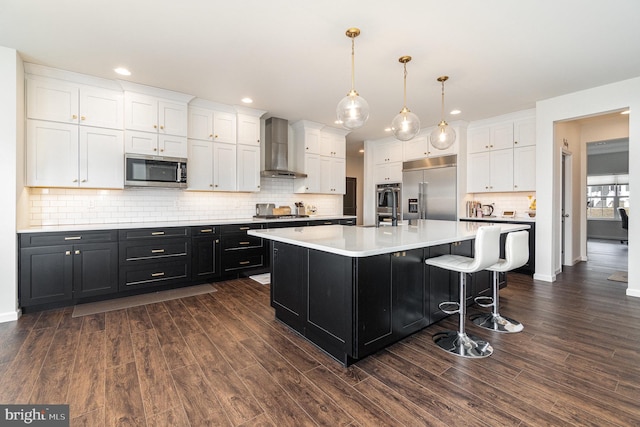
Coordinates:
(349, 204)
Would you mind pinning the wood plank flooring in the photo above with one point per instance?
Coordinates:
(222, 359)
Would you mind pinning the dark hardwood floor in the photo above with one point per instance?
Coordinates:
(608, 255)
(222, 359)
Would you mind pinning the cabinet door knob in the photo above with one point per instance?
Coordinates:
(162, 150)
(216, 185)
(74, 117)
(75, 180)
(67, 252)
(161, 127)
(515, 142)
(77, 252)
(257, 140)
(210, 135)
(155, 149)
(84, 180)
(155, 126)
(216, 136)
(210, 185)
(83, 118)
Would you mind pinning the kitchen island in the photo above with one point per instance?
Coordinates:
(355, 290)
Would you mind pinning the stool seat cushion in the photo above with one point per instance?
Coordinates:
(459, 263)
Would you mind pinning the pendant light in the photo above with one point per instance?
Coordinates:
(352, 110)
(406, 124)
(443, 136)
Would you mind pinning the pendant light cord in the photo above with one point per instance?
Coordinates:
(353, 64)
(442, 113)
(405, 85)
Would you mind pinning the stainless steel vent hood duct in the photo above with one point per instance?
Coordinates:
(276, 155)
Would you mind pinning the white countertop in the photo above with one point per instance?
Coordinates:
(154, 224)
(359, 241)
(501, 219)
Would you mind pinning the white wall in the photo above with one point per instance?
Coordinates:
(602, 99)
(11, 119)
(355, 169)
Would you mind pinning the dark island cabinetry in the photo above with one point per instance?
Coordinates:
(57, 267)
(241, 252)
(353, 307)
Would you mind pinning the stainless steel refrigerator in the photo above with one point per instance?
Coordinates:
(429, 188)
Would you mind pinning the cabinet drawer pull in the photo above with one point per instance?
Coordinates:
(77, 252)
(67, 253)
(244, 243)
(245, 228)
(73, 238)
(157, 251)
(244, 262)
(157, 274)
(207, 230)
(157, 233)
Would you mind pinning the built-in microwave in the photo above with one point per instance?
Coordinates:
(155, 171)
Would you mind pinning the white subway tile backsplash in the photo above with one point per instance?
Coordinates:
(85, 206)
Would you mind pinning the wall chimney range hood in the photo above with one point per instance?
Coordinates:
(276, 155)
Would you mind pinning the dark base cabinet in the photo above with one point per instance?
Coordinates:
(56, 268)
(353, 307)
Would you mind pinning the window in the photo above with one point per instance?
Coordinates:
(603, 200)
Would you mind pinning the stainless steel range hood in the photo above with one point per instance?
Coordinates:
(276, 155)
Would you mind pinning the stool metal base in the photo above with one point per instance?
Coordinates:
(464, 345)
(497, 323)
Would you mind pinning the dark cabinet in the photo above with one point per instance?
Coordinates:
(241, 252)
(410, 295)
(374, 304)
(153, 257)
(205, 261)
(289, 269)
(58, 268)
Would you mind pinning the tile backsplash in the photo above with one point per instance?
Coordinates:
(504, 201)
(61, 206)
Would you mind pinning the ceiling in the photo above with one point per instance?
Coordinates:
(293, 58)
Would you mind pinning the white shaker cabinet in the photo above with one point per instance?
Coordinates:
(248, 167)
(212, 166)
(387, 172)
(332, 145)
(65, 155)
(147, 113)
(524, 168)
(311, 166)
(387, 152)
(248, 129)
(65, 102)
(332, 175)
(155, 145)
(211, 125)
(490, 171)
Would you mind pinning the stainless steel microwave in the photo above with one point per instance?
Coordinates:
(155, 171)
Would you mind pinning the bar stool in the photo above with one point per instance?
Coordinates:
(487, 252)
(516, 252)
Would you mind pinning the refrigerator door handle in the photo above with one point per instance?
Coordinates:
(424, 199)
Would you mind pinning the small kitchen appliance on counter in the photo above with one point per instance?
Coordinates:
(269, 211)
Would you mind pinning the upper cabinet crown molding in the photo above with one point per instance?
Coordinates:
(155, 91)
(69, 76)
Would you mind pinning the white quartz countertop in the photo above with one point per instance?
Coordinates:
(359, 241)
(501, 219)
(176, 223)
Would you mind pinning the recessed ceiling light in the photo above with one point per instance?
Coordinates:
(122, 71)
(387, 129)
(361, 150)
(247, 100)
(338, 122)
(454, 112)
(626, 112)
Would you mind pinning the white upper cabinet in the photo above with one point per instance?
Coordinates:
(493, 137)
(224, 167)
(65, 155)
(416, 148)
(524, 132)
(387, 152)
(150, 114)
(200, 166)
(210, 125)
(248, 167)
(155, 145)
(248, 129)
(524, 168)
(64, 102)
(332, 145)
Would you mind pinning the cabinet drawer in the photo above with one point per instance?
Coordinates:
(238, 228)
(205, 230)
(240, 242)
(151, 275)
(245, 260)
(154, 233)
(165, 248)
(47, 239)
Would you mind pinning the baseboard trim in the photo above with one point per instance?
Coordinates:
(10, 316)
(544, 277)
(633, 293)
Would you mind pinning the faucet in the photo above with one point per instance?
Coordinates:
(394, 208)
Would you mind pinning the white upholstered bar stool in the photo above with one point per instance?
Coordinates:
(487, 252)
(516, 252)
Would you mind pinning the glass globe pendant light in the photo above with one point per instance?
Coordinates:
(352, 110)
(406, 124)
(443, 136)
